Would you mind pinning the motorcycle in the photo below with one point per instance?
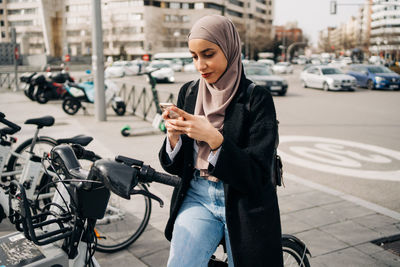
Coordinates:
(84, 93)
(42, 90)
(53, 88)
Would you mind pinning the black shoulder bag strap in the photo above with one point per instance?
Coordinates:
(277, 173)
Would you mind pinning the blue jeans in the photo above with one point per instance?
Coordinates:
(200, 225)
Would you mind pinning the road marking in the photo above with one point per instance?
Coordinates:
(361, 202)
(340, 157)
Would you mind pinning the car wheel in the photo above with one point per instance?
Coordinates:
(303, 83)
(370, 84)
(325, 86)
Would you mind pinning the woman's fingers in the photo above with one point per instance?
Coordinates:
(182, 113)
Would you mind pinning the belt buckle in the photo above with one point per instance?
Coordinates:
(204, 174)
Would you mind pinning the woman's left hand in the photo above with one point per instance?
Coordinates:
(197, 127)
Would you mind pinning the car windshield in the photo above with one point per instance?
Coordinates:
(379, 69)
(330, 71)
(283, 64)
(257, 71)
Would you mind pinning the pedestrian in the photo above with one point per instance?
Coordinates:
(223, 153)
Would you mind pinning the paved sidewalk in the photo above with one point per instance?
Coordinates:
(337, 228)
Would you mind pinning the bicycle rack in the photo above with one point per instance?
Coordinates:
(141, 98)
(23, 215)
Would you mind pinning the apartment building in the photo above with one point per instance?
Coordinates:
(385, 28)
(130, 27)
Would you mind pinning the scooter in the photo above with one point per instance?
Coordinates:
(157, 123)
(84, 93)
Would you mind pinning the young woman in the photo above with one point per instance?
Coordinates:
(224, 153)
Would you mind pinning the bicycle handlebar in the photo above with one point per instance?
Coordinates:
(10, 124)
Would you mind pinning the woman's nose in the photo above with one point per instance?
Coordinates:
(201, 64)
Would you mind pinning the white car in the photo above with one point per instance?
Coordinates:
(267, 62)
(162, 72)
(327, 78)
(282, 67)
(121, 68)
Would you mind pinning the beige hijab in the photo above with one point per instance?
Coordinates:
(213, 99)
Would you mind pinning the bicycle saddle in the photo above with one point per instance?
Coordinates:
(81, 139)
(42, 121)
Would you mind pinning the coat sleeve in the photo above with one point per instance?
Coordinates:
(175, 166)
(247, 167)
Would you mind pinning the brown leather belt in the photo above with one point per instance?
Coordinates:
(204, 174)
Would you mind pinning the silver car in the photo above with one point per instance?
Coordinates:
(262, 76)
(327, 78)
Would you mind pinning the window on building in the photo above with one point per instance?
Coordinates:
(174, 5)
(234, 13)
(260, 10)
(3, 35)
(1, 23)
(185, 6)
(1, 11)
(198, 5)
(236, 2)
(214, 6)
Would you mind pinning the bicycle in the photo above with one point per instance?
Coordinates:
(82, 198)
(119, 228)
(24, 161)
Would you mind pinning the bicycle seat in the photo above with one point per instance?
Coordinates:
(82, 140)
(42, 121)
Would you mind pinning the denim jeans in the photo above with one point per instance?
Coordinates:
(200, 225)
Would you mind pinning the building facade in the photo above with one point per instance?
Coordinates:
(131, 28)
(385, 29)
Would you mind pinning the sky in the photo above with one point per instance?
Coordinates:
(314, 15)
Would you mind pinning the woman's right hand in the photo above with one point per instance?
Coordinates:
(172, 134)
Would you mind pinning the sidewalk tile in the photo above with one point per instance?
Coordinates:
(350, 232)
(291, 225)
(159, 258)
(346, 210)
(375, 220)
(349, 257)
(319, 242)
(123, 258)
(150, 242)
(316, 216)
(387, 258)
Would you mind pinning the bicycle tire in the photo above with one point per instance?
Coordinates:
(294, 254)
(122, 233)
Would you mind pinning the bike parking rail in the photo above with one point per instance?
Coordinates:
(142, 101)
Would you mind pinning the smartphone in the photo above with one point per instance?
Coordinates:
(172, 114)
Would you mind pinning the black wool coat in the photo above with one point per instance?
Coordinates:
(244, 165)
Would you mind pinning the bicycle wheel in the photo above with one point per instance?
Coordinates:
(293, 254)
(124, 221)
(43, 144)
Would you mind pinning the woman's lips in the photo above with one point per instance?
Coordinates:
(206, 75)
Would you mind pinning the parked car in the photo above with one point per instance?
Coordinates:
(375, 76)
(282, 67)
(327, 78)
(162, 72)
(262, 76)
(267, 62)
(120, 69)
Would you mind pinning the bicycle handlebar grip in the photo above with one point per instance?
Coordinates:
(9, 123)
(166, 179)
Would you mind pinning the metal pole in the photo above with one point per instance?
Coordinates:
(98, 63)
(14, 46)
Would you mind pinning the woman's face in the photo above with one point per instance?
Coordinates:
(208, 59)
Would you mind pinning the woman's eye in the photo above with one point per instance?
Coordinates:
(194, 57)
(209, 55)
